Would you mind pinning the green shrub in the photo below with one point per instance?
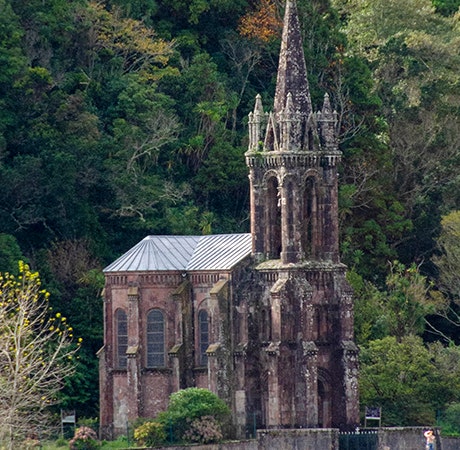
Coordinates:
(450, 423)
(85, 439)
(150, 434)
(205, 430)
(187, 405)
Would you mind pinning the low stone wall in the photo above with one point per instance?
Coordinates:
(237, 445)
(407, 438)
(306, 439)
(450, 443)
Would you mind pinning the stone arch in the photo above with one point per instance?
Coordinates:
(324, 399)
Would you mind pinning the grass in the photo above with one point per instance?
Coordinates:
(61, 444)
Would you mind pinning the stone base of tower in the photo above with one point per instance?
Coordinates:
(305, 368)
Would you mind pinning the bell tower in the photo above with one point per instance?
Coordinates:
(307, 361)
(293, 157)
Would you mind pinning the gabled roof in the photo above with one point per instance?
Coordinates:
(186, 253)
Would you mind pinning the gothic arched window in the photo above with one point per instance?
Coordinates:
(121, 324)
(155, 339)
(203, 337)
(311, 224)
(273, 220)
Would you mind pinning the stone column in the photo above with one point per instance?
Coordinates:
(133, 355)
(350, 382)
(310, 352)
(273, 419)
(105, 355)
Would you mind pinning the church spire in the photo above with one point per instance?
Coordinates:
(292, 70)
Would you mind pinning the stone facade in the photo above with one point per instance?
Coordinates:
(270, 333)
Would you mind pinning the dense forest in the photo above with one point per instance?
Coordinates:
(124, 118)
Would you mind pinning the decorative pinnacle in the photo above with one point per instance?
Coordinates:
(258, 107)
(326, 112)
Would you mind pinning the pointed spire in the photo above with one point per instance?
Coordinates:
(292, 70)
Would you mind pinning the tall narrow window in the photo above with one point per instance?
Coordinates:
(273, 220)
(122, 338)
(311, 230)
(203, 338)
(155, 339)
(266, 325)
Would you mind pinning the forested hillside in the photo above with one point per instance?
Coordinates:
(124, 118)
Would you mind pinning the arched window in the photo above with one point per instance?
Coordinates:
(203, 337)
(311, 226)
(155, 339)
(273, 220)
(122, 338)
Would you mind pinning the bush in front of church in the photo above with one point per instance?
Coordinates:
(186, 414)
(85, 439)
(205, 430)
(150, 433)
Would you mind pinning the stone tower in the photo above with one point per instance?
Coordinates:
(301, 367)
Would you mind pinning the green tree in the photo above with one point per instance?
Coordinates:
(10, 253)
(410, 381)
(402, 308)
(413, 52)
(448, 261)
(446, 7)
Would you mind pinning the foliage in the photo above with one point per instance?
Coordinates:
(191, 404)
(205, 430)
(448, 261)
(264, 23)
(404, 41)
(408, 380)
(85, 439)
(450, 420)
(10, 253)
(150, 434)
(401, 309)
(36, 354)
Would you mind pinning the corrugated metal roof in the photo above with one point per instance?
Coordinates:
(187, 253)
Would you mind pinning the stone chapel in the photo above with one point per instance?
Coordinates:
(264, 319)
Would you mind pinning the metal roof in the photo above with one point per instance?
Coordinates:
(186, 253)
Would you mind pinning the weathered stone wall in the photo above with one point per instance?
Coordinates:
(408, 438)
(307, 439)
(405, 438)
(450, 443)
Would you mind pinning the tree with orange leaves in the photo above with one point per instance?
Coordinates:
(264, 23)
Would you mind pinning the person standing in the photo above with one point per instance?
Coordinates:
(429, 436)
